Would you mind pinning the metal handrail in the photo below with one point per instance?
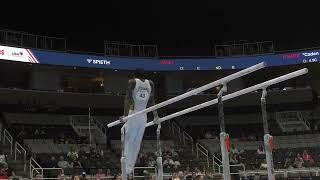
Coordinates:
(300, 116)
(215, 157)
(281, 171)
(20, 36)
(183, 135)
(234, 165)
(204, 151)
(42, 169)
(175, 126)
(34, 168)
(7, 136)
(215, 163)
(187, 136)
(100, 126)
(21, 151)
(29, 34)
(155, 171)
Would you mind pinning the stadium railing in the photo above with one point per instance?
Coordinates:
(284, 172)
(7, 137)
(19, 149)
(35, 167)
(27, 40)
(233, 165)
(203, 151)
(176, 130)
(42, 170)
(216, 162)
(187, 137)
(113, 48)
(153, 172)
(183, 135)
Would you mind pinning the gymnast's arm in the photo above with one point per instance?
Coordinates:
(128, 100)
(151, 99)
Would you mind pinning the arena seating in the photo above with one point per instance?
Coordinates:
(280, 142)
(45, 146)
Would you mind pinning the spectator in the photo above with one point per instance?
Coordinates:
(38, 177)
(235, 150)
(76, 164)
(287, 162)
(109, 173)
(85, 163)
(290, 166)
(62, 163)
(260, 150)
(263, 164)
(117, 177)
(307, 158)
(200, 177)
(234, 159)
(209, 175)
(188, 170)
(197, 170)
(4, 170)
(208, 135)
(36, 134)
(3, 157)
(61, 176)
(82, 152)
(175, 176)
(142, 159)
(52, 163)
(177, 164)
(11, 172)
(151, 162)
(173, 152)
(168, 162)
(100, 175)
(167, 151)
(72, 154)
(101, 152)
(194, 175)
(83, 176)
(76, 177)
(298, 162)
(180, 175)
(93, 153)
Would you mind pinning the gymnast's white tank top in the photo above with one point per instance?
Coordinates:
(141, 94)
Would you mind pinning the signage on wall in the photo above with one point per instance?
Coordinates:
(154, 64)
(17, 54)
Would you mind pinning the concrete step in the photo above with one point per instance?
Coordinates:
(18, 167)
(292, 123)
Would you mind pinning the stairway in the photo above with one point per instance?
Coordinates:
(290, 121)
(80, 124)
(183, 141)
(17, 165)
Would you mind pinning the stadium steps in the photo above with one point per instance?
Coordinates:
(19, 167)
(80, 126)
(291, 121)
(16, 165)
(187, 158)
